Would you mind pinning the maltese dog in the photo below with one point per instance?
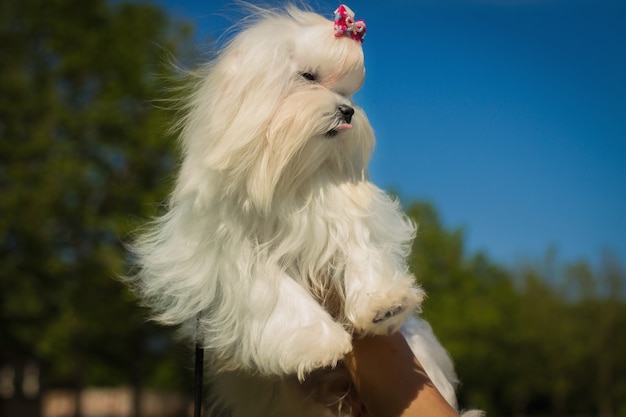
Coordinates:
(276, 250)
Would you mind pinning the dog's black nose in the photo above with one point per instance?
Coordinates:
(346, 112)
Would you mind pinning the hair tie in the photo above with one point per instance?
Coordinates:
(345, 25)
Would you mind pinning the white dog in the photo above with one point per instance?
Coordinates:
(275, 238)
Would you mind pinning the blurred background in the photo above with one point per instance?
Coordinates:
(501, 126)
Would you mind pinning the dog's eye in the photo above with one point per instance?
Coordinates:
(308, 76)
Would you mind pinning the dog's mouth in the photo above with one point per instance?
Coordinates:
(344, 117)
(341, 127)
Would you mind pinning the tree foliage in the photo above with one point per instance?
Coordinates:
(84, 153)
(539, 340)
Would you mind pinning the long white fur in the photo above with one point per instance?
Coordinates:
(271, 220)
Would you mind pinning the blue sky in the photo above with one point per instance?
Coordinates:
(508, 115)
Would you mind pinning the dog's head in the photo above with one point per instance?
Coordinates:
(273, 114)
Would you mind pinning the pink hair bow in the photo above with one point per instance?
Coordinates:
(345, 25)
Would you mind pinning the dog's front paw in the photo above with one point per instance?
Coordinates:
(386, 315)
(298, 336)
(384, 311)
(318, 346)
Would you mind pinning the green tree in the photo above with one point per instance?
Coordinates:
(83, 152)
(470, 304)
(540, 340)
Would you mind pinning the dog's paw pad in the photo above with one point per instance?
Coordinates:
(386, 315)
(383, 312)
